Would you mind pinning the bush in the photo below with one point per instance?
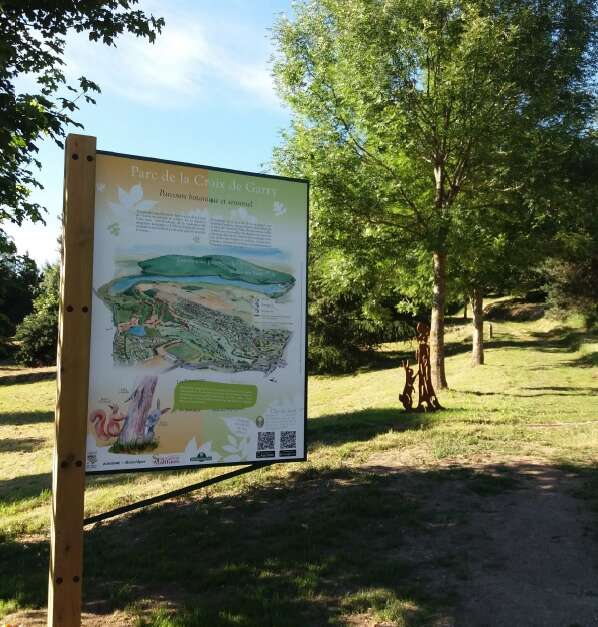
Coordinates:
(573, 286)
(37, 335)
(348, 316)
(19, 280)
(338, 333)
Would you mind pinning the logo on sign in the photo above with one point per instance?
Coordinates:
(166, 460)
(201, 457)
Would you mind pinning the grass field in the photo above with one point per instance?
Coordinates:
(338, 539)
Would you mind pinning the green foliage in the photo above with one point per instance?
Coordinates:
(405, 111)
(571, 272)
(573, 286)
(430, 126)
(352, 309)
(37, 334)
(19, 278)
(32, 42)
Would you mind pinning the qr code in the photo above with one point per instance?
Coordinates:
(265, 441)
(288, 439)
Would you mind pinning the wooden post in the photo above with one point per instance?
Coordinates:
(68, 472)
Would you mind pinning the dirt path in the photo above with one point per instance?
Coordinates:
(523, 556)
(537, 557)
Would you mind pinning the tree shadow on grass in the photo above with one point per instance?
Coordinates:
(563, 342)
(24, 487)
(452, 349)
(560, 339)
(298, 552)
(566, 339)
(23, 572)
(564, 390)
(287, 553)
(375, 360)
(459, 348)
(303, 550)
(27, 377)
(585, 361)
(537, 391)
(544, 342)
(366, 424)
(27, 487)
(21, 445)
(330, 430)
(387, 359)
(18, 418)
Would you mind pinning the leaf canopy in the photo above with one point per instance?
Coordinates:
(32, 42)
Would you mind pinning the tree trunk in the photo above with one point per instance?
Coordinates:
(140, 404)
(437, 322)
(477, 350)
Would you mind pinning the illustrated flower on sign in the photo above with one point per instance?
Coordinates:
(100, 187)
(127, 203)
(242, 215)
(279, 208)
(238, 439)
(238, 449)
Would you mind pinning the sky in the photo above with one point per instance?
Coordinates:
(203, 93)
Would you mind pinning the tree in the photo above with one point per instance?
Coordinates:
(37, 334)
(407, 113)
(352, 309)
(19, 279)
(495, 247)
(490, 259)
(32, 42)
(571, 267)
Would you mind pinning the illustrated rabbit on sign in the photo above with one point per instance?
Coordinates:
(152, 420)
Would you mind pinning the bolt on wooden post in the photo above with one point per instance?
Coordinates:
(68, 466)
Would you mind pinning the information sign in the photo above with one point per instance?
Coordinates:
(198, 317)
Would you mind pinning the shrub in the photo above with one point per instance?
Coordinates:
(37, 334)
(573, 286)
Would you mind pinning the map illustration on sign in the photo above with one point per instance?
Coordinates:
(198, 317)
(197, 312)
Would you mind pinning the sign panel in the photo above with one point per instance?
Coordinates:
(198, 317)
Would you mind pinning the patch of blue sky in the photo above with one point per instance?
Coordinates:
(203, 93)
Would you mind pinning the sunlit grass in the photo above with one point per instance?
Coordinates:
(536, 397)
